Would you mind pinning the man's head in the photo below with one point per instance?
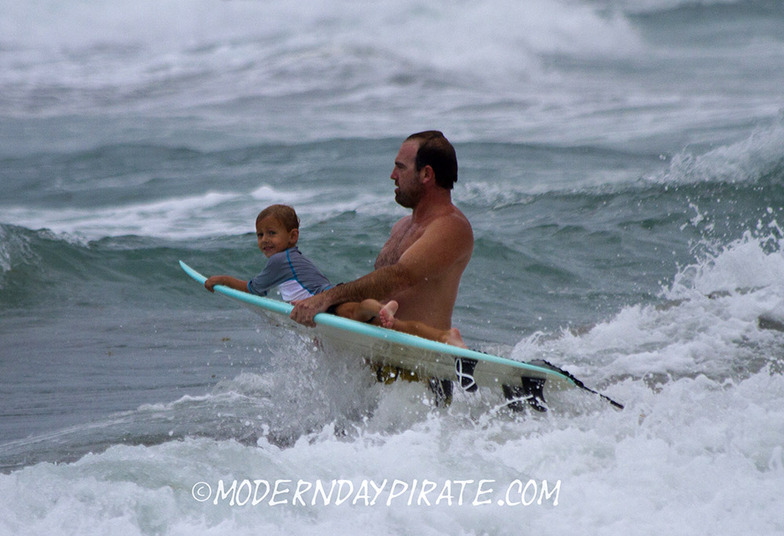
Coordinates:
(436, 151)
(422, 156)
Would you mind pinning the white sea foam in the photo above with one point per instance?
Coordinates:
(182, 217)
(654, 467)
(205, 215)
(707, 323)
(212, 27)
(746, 160)
(250, 59)
(517, 71)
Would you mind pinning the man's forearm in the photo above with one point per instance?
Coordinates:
(380, 284)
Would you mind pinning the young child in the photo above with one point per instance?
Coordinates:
(297, 278)
(277, 233)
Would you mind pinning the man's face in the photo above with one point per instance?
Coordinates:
(407, 179)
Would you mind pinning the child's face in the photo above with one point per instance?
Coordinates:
(273, 236)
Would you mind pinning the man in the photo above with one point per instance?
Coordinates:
(422, 261)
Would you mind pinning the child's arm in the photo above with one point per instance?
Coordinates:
(227, 281)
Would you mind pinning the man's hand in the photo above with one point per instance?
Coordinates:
(305, 310)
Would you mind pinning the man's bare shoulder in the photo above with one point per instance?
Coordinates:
(453, 221)
(448, 237)
(457, 214)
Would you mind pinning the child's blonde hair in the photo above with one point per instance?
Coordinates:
(283, 213)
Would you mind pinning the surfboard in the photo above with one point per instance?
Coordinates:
(523, 384)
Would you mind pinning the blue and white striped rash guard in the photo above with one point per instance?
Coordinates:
(295, 275)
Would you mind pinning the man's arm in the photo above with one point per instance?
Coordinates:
(379, 284)
(444, 242)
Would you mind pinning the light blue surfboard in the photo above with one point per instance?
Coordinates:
(468, 369)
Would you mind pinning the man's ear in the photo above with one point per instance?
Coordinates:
(428, 175)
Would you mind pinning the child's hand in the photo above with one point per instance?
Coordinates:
(211, 282)
(226, 281)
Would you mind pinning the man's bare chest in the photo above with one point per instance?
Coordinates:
(398, 243)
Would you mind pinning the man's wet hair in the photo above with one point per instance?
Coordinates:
(436, 151)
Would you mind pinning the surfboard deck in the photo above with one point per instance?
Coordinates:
(427, 359)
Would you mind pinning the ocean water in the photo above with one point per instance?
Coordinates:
(622, 164)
